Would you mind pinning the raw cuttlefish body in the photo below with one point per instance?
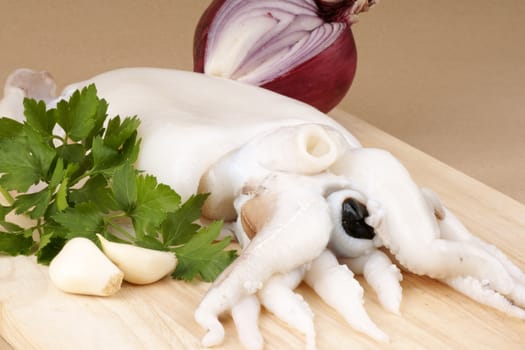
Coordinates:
(306, 202)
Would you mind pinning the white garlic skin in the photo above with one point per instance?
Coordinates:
(81, 268)
(139, 265)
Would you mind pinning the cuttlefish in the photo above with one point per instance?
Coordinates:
(304, 199)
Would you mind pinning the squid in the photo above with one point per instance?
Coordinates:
(305, 201)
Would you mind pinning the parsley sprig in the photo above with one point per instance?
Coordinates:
(74, 177)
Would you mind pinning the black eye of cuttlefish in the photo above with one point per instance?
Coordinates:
(353, 219)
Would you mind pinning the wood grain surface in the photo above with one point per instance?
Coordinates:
(35, 315)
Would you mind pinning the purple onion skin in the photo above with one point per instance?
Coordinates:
(322, 81)
(200, 38)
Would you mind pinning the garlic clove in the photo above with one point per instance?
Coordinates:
(140, 265)
(81, 268)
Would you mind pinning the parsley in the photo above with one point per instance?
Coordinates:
(75, 178)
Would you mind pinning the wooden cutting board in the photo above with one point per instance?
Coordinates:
(35, 315)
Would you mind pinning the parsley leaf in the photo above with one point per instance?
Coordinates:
(17, 241)
(33, 204)
(79, 115)
(12, 228)
(50, 243)
(71, 153)
(9, 128)
(84, 220)
(17, 165)
(95, 191)
(180, 226)
(154, 202)
(201, 257)
(119, 131)
(15, 244)
(38, 118)
(124, 187)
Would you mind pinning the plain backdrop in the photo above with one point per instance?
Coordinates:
(447, 77)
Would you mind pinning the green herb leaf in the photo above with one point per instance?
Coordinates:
(38, 118)
(124, 187)
(150, 243)
(9, 226)
(130, 149)
(50, 245)
(180, 226)
(78, 116)
(154, 201)
(41, 153)
(17, 166)
(71, 153)
(104, 157)
(119, 132)
(61, 196)
(10, 128)
(99, 119)
(12, 228)
(33, 204)
(15, 244)
(58, 174)
(84, 220)
(4, 210)
(199, 257)
(95, 190)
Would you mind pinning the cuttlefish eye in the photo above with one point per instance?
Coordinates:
(353, 214)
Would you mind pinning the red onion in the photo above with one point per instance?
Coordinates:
(303, 49)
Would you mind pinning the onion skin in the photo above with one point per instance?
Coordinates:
(321, 81)
(342, 10)
(200, 38)
(312, 79)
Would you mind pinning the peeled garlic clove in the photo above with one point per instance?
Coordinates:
(140, 265)
(81, 268)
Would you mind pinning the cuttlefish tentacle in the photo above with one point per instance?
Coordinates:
(278, 297)
(382, 275)
(245, 315)
(483, 294)
(407, 224)
(298, 215)
(452, 229)
(480, 290)
(336, 285)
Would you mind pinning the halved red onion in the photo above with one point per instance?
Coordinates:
(303, 49)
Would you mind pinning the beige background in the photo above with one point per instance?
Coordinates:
(446, 76)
